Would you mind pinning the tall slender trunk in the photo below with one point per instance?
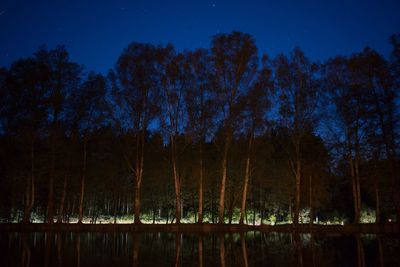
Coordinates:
(83, 176)
(311, 200)
(221, 209)
(355, 190)
(30, 185)
(298, 184)
(200, 210)
(138, 174)
(246, 180)
(377, 206)
(62, 200)
(50, 198)
(176, 181)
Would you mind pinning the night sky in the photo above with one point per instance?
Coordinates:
(95, 32)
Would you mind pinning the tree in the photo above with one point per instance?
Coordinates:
(25, 112)
(136, 93)
(255, 107)
(200, 109)
(349, 97)
(234, 64)
(296, 80)
(173, 115)
(88, 109)
(62, 78)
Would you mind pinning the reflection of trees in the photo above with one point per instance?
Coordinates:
(178, 245)
(244, 250)
(26, 251)
(200, 250)
(135, 241)
(78, 249)
(221, 238)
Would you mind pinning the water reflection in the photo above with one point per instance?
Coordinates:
(182, 249)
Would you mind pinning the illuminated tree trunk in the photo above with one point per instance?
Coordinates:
(62, 200)
(50, 197)
(138, 174)
(246, 181)
(355, 188)
(176, 181)
(83, 176)
(311, 200)
(30, 187)
(221, 209)
(297, 173)
(200, 211)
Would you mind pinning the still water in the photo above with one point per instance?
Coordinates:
(183, 249)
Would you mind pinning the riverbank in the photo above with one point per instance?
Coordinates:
(386, 228)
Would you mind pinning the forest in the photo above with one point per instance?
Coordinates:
(219, 135)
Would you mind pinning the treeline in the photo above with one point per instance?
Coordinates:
(215, 135)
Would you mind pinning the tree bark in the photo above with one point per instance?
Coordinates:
(62, 200)
(298, 184)
(138, 174)
(221, 209)
(176, 181)
(311, 200)
(200, 209)
(83, 176)
(246, 181)
(30, 187)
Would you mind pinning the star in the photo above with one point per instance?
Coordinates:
(213, 4)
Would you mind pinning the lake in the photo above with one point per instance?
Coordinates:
(182, 249)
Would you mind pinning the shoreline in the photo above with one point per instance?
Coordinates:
(368, 228)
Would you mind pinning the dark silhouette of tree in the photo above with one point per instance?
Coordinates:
(136, 91)
(256, 104)
(25, 112)
(200, 108)
(173, 115)
(235, 64)
(62, 77)
(295, 78)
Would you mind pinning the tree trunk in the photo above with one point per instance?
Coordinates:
(200, 210)
(377, 206)
(30, 186)
(176, 181)
(50, 197)
(298, 185)
(246, 181)
(221, 209)
(138, 174)
(355, 191)
(311, 200)
(82, 188)
(62, 200)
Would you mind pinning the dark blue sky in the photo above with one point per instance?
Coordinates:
(95, 32)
